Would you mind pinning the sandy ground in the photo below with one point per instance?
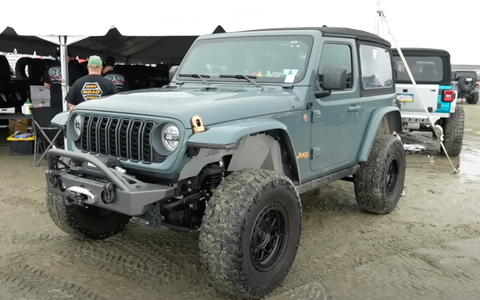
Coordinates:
(426, 249)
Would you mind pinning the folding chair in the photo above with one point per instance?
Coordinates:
(45, 132)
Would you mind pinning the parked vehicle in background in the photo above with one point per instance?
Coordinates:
(466, 83)
(431, 70)
(250, 121)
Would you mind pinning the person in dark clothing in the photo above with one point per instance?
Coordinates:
(91, 86)
(118, 78)
(52, 80)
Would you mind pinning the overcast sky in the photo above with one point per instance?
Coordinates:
(451, 25)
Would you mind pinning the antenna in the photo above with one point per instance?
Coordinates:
(379, 17)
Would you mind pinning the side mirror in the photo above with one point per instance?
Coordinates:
(334, 78)
(172, 72)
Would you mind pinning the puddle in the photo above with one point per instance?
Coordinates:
(470, 165)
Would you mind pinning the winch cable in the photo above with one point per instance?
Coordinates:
(440, 138)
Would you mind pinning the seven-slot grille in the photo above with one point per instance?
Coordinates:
(117, 137)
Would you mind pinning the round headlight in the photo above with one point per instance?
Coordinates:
(77, 125)
(170, 137)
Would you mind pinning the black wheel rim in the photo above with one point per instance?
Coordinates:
(392, 177)
(269, 237)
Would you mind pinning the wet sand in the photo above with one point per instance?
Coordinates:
(426, 249)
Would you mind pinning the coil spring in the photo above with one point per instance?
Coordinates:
(213, 181)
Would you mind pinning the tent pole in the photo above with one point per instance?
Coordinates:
(64, 65)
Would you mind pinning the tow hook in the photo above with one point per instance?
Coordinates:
(79, 196)
(108, 194)
(53, 176)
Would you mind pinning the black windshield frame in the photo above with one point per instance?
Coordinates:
(306, 40)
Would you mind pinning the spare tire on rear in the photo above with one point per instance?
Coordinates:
(466, 83)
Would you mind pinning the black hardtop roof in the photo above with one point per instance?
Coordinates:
(342, 32)
(422, 52)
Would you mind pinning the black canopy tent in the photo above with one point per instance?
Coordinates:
(128, 49)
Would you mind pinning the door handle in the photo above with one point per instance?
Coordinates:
(354, 108)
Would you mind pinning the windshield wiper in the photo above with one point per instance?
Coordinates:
(249, 78)
(202, 77)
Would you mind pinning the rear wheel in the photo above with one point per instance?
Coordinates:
(250, 233)
(472, 99)
(379, 182)
(453, 130)
(88, 222)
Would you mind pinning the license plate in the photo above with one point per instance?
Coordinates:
(469, 79)
(405, 97)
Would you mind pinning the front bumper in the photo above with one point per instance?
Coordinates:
(105, 186)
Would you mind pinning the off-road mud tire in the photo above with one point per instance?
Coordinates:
(82, 223)
(472, 99)
(229, 220)
(372, 191)
(453, 131)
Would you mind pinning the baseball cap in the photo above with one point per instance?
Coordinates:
(109, 61)
(94, 62)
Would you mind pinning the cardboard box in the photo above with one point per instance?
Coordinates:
(19, 125)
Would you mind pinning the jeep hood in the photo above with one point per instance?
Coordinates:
(212, 107)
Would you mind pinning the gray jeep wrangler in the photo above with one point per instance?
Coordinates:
(465, 82)
(250, 121)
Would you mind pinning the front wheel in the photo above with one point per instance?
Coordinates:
(250, 233)
(379, 182)
(89, 222)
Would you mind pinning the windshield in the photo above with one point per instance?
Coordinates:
(423, 68)
(269, 59)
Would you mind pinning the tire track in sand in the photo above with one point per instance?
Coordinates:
(338, 248)
(410, 275)
(146, 258)
(23, 202)
(23, 281)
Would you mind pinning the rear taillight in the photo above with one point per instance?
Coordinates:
(477, 85)
(448, 96)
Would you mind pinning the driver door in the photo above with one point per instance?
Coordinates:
(336, 118)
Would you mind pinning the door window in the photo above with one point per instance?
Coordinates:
(337, 55)
(376, 66)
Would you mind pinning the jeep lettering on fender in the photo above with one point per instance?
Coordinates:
(250, 121)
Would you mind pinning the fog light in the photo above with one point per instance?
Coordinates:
(62, 185)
